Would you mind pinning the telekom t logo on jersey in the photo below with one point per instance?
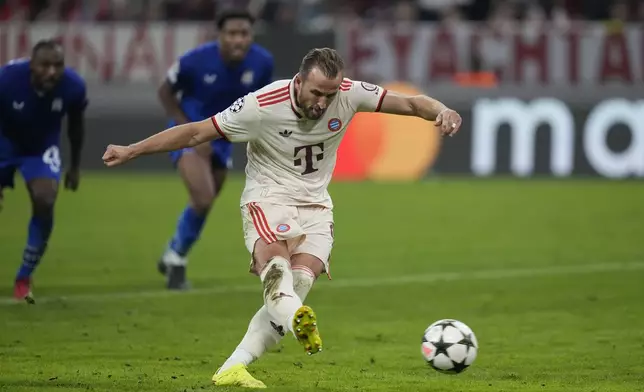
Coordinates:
(312, 151)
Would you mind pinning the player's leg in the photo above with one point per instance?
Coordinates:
(271, 232)
(195, 169)
(6, 180)
(221, 162)
(279, 230)
(280, 303)
(272, 262)
(7, 170)
(42, 176)
(263, 333)
(312, 257)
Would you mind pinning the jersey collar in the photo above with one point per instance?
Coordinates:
(291, 90)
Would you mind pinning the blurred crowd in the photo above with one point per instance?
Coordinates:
(320, 15)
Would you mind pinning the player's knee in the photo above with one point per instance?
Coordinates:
(309, 263)
(264, 252)
(43, 201)
(202, 201)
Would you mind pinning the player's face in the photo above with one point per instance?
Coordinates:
(47, 67)
(316, 92)
(235, 38)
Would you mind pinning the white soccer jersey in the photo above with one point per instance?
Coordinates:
(290, 158)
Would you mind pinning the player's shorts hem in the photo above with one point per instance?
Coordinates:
(45, 175)
(31, 167)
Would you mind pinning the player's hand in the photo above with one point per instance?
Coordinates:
(117, 155)
(449, 122)
(72, 178)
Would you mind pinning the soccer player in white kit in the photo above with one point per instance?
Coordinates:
(293, 128)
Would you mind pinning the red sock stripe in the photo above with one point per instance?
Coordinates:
(304, 269)
(261, 224)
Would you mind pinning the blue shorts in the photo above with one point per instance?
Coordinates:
(46, 165)
(221, 158)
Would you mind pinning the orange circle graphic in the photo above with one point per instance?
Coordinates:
(381, 146)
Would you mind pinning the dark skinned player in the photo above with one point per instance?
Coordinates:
(209, 78)
(36, 93)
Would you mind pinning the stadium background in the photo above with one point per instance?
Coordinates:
(493, 227)
(579, 64)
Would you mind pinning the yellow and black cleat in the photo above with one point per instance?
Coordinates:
(306, 330)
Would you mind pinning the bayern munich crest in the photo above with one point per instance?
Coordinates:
(335, 124)
(283, 228)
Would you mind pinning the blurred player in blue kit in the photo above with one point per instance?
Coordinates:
(35, 94)
(202, 82)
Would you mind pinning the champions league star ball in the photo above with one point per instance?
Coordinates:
(449, 346)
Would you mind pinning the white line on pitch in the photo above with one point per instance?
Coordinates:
(359, 282)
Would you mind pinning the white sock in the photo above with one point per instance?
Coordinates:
(170, 257)
(260, 336)
(303, 279)
(262, 333)
(279, 296)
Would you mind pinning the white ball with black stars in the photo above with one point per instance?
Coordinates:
(449, 346)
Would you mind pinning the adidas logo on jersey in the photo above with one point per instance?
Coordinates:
(286, 133)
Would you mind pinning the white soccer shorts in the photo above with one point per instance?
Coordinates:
(306, 229)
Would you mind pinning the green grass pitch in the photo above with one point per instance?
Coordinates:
(549, 275)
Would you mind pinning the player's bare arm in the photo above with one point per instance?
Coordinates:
(76, 135)
(170, 103)
(177, 137)
(424, 107)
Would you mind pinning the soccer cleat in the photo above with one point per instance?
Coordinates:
(162, 267)
(22, 291)
(306, 330)
(173, 267)
(237, 376)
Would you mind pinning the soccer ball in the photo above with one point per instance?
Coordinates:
(449, 346)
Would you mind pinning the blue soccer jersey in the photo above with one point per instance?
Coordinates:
(30, 121)
(208, 85)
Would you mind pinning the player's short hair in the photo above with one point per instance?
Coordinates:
(326, 60)
(49, 43)
(229, 14)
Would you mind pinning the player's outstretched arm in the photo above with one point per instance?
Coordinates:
(175, 138)
(425, 107)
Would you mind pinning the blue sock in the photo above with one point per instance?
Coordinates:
(188, 231)
(39, 232)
